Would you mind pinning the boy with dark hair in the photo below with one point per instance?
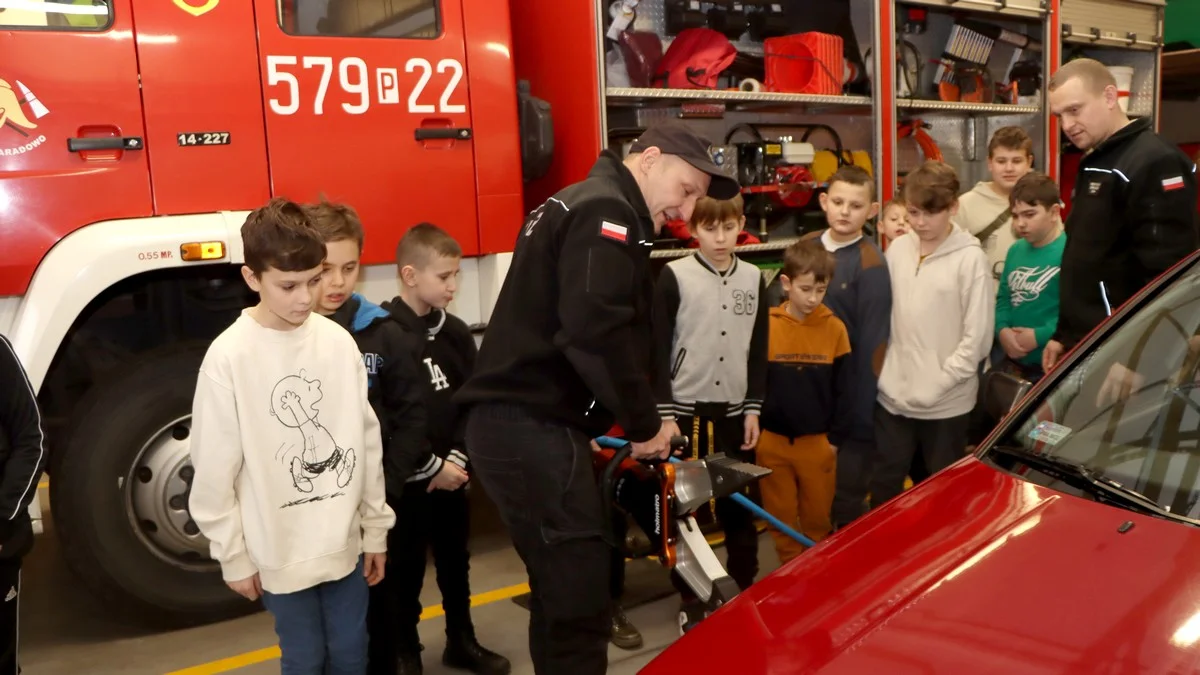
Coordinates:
(391, 355)
(862, 299)
(942, 317)
(809, 404)
(710, 332)
(22, 460)
(1027, 303)
(984, 211)
(288, 486)
(433, 509)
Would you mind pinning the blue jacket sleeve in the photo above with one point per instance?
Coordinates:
(873, 316)
(844, 399)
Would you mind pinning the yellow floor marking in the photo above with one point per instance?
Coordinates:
(45, 483)
(271, 653)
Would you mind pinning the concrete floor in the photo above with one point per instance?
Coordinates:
(65, 631)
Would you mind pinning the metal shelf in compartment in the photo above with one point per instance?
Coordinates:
(732, 99)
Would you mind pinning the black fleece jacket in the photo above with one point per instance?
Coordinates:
(447, 360)
(570, 336)
(1133, 216)
(391, 353)
(22, 454)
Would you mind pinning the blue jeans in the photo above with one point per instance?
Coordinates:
(323, 630)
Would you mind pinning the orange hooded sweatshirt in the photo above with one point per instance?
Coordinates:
(808, 376)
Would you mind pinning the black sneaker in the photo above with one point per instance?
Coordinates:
(624, 634)
(691, 613)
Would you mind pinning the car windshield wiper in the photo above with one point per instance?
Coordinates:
(1086, 479)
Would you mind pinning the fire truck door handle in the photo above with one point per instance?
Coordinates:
(430, 133)
(110, 143)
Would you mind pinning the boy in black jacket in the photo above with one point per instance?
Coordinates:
(430, 514)
(392, 353)
(22, 459)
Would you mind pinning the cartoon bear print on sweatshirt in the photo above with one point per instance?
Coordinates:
(294, 403)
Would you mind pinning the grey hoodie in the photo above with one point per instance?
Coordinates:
(943, 313)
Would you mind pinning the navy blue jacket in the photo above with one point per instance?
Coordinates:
(391, 353)
(861, 296)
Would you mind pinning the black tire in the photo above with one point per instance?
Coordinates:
(90, 504)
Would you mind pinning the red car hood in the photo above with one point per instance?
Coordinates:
(974, 571)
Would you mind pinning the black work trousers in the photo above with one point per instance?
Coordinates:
(898, 439)
(854, 459)
(10, 589)
(437, 520)
(540, 476)
(711, 431)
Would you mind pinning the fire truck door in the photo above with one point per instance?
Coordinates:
(366, 102)
(71, 136)
(203, 105)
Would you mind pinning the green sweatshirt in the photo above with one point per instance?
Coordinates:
(1028, 294)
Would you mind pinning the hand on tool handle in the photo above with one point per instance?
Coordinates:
(660, 446)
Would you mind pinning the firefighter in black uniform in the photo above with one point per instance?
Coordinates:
(1133, 210)
(567, 352)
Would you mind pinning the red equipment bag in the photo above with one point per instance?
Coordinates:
(695, 59)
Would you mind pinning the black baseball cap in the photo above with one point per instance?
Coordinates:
(674, 137)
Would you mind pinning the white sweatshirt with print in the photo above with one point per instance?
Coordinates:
(943, 311)
(288, 455)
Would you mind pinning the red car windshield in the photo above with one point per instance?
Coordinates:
(1128, 410)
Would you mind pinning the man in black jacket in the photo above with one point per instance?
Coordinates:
(1133, 210)
(22, 460)
(568, 352)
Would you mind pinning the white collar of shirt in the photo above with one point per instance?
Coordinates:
(833, 246)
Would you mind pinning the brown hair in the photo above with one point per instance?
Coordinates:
(280, 235)
(422, 242)
(1035, 188)
(854, 175)
(808, 255)
(1095, 75)
(337, 222)
(709, 210)
(932, 187)
(1010, 138)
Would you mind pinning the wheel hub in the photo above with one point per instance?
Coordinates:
(157, 490)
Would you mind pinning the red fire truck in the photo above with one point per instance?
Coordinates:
(134, 137)
(136, 134)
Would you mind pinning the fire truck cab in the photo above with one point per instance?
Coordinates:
(135, 135)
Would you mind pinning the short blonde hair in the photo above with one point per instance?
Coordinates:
(1094, 75)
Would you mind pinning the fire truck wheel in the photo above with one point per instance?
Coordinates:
(120, 498)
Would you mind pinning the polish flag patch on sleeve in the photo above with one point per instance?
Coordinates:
(1175, 183)
(614, 231)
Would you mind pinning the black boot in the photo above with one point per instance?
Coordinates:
(409, 661)
(464, 651)
(624, 634)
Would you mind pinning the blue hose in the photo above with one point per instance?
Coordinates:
(610, 442)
